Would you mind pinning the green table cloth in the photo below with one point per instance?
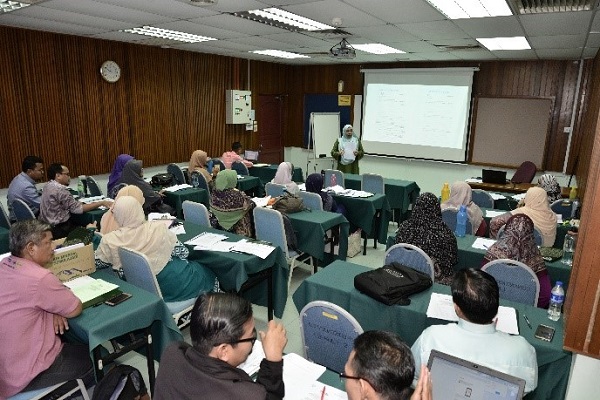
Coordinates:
(336, 284)
(399, 193)
(233, 269)
(361, 212)
(89, 217)
(248, 182)
(176, 199)
(267, 173)
(311, 226)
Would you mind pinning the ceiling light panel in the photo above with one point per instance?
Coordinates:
(505, 43)
(168, 34)
(283, 19)
(458, 9)
(377, 48)
(8, 6)
(279, 54)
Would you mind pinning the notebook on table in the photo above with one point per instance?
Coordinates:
(455, 378)
(493, 176)
(251, 155)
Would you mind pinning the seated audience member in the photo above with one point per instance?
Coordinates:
(34, 307)
(536, 207)
(198, 164)
(517, 243)
(314, 184)
(115, 174)
(22, 186)
(283, 176)
(381, 367)
(58, 203)
(223, 334)
(235, 155)
(108, 222)
(178, 278)
(133, 174)
(461, 195)
(549, 183)
(230, 209)
(426, 230)
(475, 338)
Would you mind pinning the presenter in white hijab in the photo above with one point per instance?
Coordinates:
(347, 150)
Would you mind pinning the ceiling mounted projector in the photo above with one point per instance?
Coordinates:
(342, 50)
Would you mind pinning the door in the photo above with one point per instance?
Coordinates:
(270, 131)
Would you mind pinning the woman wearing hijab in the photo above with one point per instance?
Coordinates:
(133, 175)
(198, 164)
(108, 222)
(537, 208)
(231, 209)
(549, 183)
(117, 170)
(283, 176)
(517, 243)
(314, 184)
(347, 150)
(178, 278)
(460, 195)
(426, 230)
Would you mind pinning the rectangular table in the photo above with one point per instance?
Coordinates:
(336, 284)
(176, 199)
(267, 173)
(310, 227)
(235, 270)
(142, 312)
(247, 182)
(510, 187)
(399, 193)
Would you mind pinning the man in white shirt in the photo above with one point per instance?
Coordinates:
(475, 338)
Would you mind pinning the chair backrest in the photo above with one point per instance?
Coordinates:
(136, 269)
(177, 173)
(4, 220)
(449, 218)
(312, 201)
(43, 393)
(274, 189)
(562, 207)
(525, 173)
(115, 190)
(239, 167)
(93, 187)
(537, 236)
(482, 198)
(22, 210)
(328, 333)
(339, 178)
(516, 281)
(268, 225)
(198, 180)
(217, 161)
(196, 213)
(411, 256)
(372, 183)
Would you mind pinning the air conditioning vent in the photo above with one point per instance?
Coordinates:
(550, 6)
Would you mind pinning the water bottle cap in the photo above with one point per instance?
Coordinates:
(559, 283)
(463, 208)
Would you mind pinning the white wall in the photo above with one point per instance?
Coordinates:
(584, 380)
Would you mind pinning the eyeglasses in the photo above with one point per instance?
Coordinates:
(252, 339)
(344, 376)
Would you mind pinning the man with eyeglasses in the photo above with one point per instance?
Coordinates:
(223, 334)
(22, 186)
(58, 204)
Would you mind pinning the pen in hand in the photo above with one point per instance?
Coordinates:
(323, 393)
(527, 320)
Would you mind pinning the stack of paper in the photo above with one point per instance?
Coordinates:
(483, 243)
(88, 200)
(261, 201)
(252, 363)
(519, 197)
(205, 240)
(302, 187)
(494, 213)
(177, 187)
(91, 291)
(473, 180)
(153, 216)
(254, 248)
(497, 196)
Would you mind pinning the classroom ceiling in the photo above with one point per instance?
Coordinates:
(413, 26)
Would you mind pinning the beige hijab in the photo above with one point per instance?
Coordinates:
(108, 223)
(461, 195)
(198, 163)
(537, 208)
(153, 239)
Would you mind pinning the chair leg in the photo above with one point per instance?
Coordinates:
(292, 265)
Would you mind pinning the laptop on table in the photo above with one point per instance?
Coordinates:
(493, 176)
(455, 378)
(251, 155)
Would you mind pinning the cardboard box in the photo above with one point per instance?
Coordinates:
(69, 264)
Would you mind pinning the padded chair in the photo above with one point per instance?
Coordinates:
(482, 198)
(268, 224)
(517, 282)
(177, 173)
(240, 168)
(196, 213)
(198, 181)
(537, 236)
(525, 173)
(93, 187)
(339, 178)
(449, 218)
(136, 270)
(217, 161)
(274, 189)
(372, 183)
(562, 207)
(115, 190)
(312, 201)
(328, 333)
(4, 220)
(22, 210)
(411, 256)
(41, 393)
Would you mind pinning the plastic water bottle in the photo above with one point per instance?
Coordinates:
(569, 247)
(461, 222)
(80, 188)
(445, 192)
(556, 301)
(332, 180)
(574, 208)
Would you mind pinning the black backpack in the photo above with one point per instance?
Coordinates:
(123, 382)
(392, 284)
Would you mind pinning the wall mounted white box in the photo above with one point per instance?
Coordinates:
(238, 106)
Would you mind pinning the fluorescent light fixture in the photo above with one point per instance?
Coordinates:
(505, 43)
(377, 48)
(457, 9)
(283, 19)
(8, 6)
(168, 34)
(279, 54)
